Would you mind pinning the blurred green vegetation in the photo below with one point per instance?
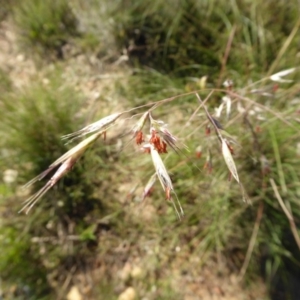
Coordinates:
(6, 6)
(184, 38)
(93, 219)
(5, 82)
(45, 26)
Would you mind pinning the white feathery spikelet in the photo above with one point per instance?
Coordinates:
(102, 125)
(229, 160)
(277, 77)
(149, 186)
(164, 178)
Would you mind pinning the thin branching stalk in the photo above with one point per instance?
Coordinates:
(226, 54)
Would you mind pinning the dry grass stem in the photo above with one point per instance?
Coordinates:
(263, 107)
(217, 126)
(226, 55)
(227, 150)
(284, 47)
(287, 212)
(252, 240)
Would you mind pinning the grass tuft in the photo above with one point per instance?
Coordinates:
(45, 26)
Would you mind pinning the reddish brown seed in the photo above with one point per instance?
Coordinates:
(207, 130)
(275, 87)
(230, 148)
(208, 167)
(159, 145)
(146, 150)
(164, 147)
(139, 138)
(258, 129)
(168, 193)
(149, 193)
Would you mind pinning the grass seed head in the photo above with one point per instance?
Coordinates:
(66, 162)
(208, 163)
(159, 129)
(164, 179)
(139, 138)
(229, 160)
(137, 128)
(160, 169)
(228, 102)
(155, 140)
(100, 125)
(277, 77)
(199, 151)
(61, 171)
